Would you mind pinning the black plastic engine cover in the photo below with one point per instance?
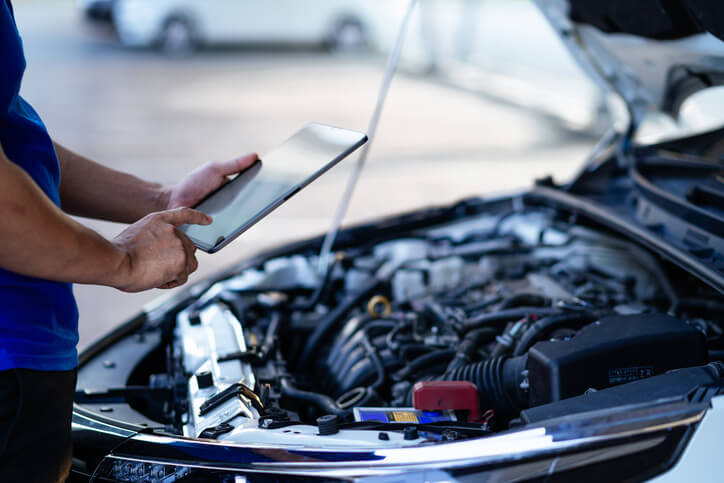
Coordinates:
(612, 351)
(676, 385)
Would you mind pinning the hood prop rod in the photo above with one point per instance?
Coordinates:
(392, 61)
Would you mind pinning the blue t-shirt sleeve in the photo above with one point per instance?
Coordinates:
(39, 319)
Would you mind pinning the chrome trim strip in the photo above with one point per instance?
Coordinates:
(502, 448)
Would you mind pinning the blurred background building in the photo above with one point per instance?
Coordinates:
(486, 101)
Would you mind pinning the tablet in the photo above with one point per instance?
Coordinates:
(276, 177)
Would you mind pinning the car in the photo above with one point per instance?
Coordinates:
(97, 10)
(569, 332)
(181, 25)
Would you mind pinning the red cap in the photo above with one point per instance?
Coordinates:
(441, 395)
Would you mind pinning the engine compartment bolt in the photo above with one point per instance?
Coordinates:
(205, 379)
(328, 425)
(411, 433)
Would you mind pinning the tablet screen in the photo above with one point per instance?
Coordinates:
(270, 181)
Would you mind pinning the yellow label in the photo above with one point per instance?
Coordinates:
(404, 417)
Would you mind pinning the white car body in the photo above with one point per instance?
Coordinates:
(141, 23)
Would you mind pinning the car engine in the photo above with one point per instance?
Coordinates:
(447, 332)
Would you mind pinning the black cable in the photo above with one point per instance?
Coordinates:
(453, 296)
(423, 361)
(270, 337)
(406, 349)
(323, 402)
(495, 231)
(701, 304)
(504, 316)
(482, 304)
(376, 362)
(539, 328)
(525, 299)
(350, 354)
(330, 321)
(389, 339)
(320, 291)
(469, 346)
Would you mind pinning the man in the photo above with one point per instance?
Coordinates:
(43, 250)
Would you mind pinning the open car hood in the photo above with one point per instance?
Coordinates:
(653, 53)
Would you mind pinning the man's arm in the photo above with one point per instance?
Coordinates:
(95, 191)
(39, 240)
(92, 190)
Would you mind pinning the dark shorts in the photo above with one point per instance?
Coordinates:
(35, 420)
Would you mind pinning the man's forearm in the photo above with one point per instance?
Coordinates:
(39, 240)
(91, 190)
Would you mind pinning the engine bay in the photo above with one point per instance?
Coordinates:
(456, 330)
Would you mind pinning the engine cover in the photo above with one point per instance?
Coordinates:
(612, 351)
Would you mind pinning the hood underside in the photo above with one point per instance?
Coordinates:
(653, 53)
(654, 19)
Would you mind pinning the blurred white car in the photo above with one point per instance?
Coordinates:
(96, 9)
(180, 25)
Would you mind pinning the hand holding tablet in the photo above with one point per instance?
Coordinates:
(269, 182)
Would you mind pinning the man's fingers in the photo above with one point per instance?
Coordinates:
(227, 168)
(189, 249)
(185, 216)
(169, 285)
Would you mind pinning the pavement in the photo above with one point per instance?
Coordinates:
(160, 117)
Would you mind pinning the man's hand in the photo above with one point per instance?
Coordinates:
(155, 253)
(204, 180)
(39, 240)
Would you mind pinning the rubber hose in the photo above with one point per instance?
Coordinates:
(406, 349)
(325, 403)
(525, 299)
(539, 328)
(469, 346)
(426, 360)
(376, 362)
(497, 382)
(482, 304)
(319, 292)
(504, 316)
(348, 348)
(330, 321)
(365, 369)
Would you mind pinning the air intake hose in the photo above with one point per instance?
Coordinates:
(498, 381)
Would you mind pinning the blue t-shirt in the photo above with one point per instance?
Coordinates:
(38, 318)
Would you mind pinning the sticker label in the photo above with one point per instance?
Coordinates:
(402, 415)
(628, 374)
